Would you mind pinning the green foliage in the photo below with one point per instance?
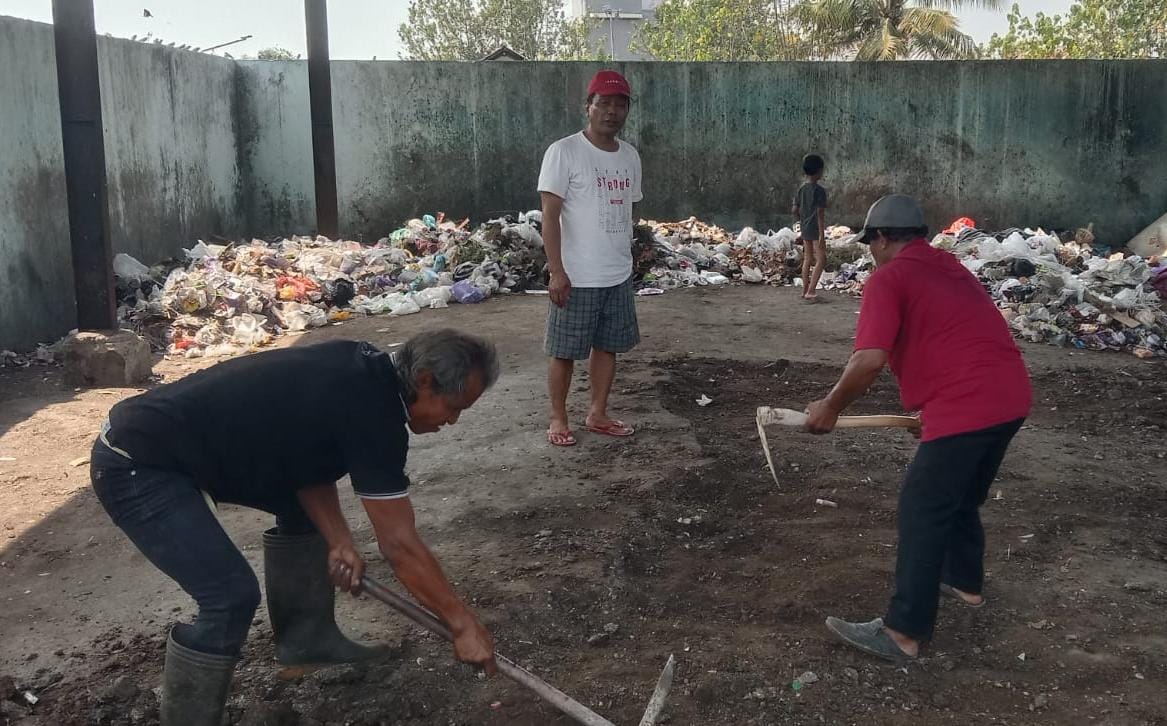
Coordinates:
(722, 30)
(1091, 29)
(471, 29)
(275, 53)
(887, 29)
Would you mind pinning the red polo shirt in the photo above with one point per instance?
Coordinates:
(948, 345)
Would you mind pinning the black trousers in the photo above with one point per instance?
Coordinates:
(940, 534)
(165, 516)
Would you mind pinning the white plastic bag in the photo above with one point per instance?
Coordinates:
(751, 274)
(746, 238)
(433, 298)
(127, 268)
(407, 307)
(247, 330)
(1151, 241)
(202, 251)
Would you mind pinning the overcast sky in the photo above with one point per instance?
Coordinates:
(357, 28)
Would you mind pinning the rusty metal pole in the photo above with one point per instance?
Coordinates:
(79, 90)
(320, 106)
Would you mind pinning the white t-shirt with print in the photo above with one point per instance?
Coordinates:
(598, 189)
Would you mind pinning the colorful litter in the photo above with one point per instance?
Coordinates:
(1067, 290)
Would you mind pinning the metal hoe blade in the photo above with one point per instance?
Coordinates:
(767, 416)
(508, 668)
(761, 419)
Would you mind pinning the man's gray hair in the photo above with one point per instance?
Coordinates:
(451, 358)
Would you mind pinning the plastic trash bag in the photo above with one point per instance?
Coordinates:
(339, 292)
(529, 234)
(466, 292)
(1127, 298)
(433, 298)
(746, 238)
(127, 268)
(203, 251)
(247, 330)
(1152, 241)
(406, 307)
(296, 317)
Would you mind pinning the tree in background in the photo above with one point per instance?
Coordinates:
(1091, 29)
(722, 30)
(275, 53)
(471, 29)
(887, 29)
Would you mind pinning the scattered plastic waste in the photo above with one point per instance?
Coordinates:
(229, 298)
(1067, 289)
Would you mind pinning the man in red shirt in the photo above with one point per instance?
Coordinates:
(951, 351)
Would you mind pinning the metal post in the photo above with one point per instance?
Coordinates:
(79, 90)
(320, 105)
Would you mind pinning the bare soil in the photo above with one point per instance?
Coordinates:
(677, 540)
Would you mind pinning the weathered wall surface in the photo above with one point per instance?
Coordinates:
(182, 133)
(199, 146)
(36, 271)
(1059, 144)
(170, 148)
(274, 133)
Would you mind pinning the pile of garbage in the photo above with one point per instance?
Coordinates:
(225, 299)
(1068, 290)
(691, 252)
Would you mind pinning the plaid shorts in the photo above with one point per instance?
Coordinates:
(594, 317)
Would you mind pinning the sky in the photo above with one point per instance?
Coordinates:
(357, 29)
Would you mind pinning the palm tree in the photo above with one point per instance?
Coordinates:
(888, 29)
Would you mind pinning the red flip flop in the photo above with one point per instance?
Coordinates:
(561, 438)
(614, 428)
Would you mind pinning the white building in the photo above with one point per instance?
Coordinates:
(618, 22)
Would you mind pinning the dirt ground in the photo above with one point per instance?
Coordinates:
(677, 540)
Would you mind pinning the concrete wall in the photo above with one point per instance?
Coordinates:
(1058, 144)
(199, 146)
(196, 147)
(170, 147)
(274, 134)
(36, 271)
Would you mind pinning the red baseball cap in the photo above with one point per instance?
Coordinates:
(609, 83)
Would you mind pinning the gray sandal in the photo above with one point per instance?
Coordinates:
(950, 591)
(870, 638)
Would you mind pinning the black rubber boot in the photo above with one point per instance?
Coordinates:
(300, 600)
(194, 686)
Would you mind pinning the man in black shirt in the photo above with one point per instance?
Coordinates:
(275, 431)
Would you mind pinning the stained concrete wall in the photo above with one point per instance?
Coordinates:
(199, 146)
(170, 148)
(274, 133)
(196, 147)
(36, 270)
(1059, 144)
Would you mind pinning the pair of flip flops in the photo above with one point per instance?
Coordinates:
(615, 428)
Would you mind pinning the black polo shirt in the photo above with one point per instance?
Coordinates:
(253, 430)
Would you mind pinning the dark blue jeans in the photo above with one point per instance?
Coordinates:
(166, 517)
(940, 534)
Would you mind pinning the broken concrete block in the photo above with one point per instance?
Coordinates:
(106, 359)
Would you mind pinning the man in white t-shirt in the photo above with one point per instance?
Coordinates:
(588, 183)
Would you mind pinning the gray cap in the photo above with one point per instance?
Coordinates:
(897, 211)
